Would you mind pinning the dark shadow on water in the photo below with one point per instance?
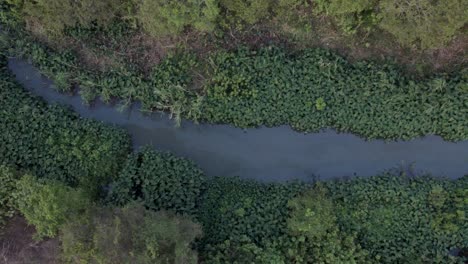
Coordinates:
(268, 154)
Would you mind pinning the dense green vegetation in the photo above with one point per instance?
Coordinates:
(317, 89)
(55, 143)
(160, 180)
(424, 23)
(78, 180)
(8, 179)
(310, 90)
(390, 218)
(48, 206)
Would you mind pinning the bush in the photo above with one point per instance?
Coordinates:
(169, 18)
(401, 219)
(55, 15)
(130, 235)
(48, 206)
(430, 23)
(161, 180)
(8, 181)
(53, 142)
(234, 210)
(316, 235)
(242, 250)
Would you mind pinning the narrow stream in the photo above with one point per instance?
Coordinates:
(268, 154)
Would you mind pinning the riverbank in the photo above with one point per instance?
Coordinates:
(308, 91)
(267, 154)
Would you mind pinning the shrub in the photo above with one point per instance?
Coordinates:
(233, 211)
(55, 15)
(242, 250)
(168, 88)
(53, 142)
(8, 181)
(161, 180)
(48, 206)
(400, 219)
(169, 18)
(316, 236)
(130, 235)
(430, 23)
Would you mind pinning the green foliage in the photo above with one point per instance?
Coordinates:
(55, 143)
(163, 18)
(270, 87)
(8, 181)
(130, 235)
(243, 250)
(55, 15)
(160, 180)
(168, 89)
(49, 206)
(234, 210)
(401, 219)
(246, 12)
(316, 236)
(430, 23)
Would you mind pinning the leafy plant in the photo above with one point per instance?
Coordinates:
(161, 180)
(53, 142)
(400, 219)
(48, 206)
(8, 181)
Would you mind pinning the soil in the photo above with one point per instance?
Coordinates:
(17, 245)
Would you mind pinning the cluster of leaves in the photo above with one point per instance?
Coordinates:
(314, 232)
(400, 219)
(129, 235)
(8, 183)
(48, 206)
(316, 89)
(53, 142)
(160, 180)
(240, 218)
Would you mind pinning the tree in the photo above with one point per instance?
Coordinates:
(426, 22)
(55, 15)
(49, 206)
(130, 235)
(316, 236)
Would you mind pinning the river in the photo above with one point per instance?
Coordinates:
(267, 154)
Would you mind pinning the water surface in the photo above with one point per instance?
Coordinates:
(268, 154)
